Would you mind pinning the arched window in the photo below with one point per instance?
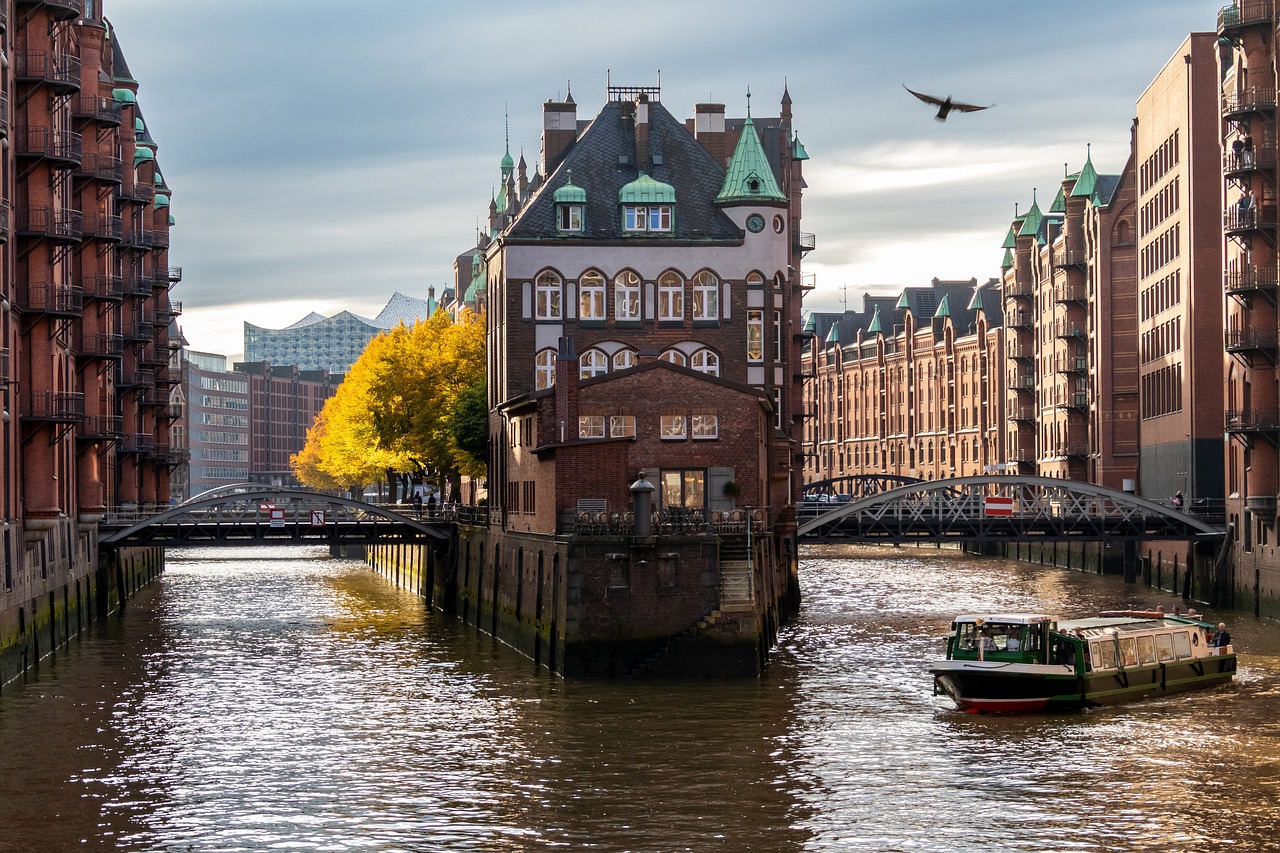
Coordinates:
(626, 296)
(675, 357)
(591, 296)
(706, 361)
(706, 296)
(670, 297)
(624, 358)
(545, 369)
(593, 362)
(547, 297)
(755, 280)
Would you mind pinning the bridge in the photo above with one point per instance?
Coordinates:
(887, 509)
(246, 514)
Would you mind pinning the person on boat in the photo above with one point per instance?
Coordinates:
(1013, 644)
(1177, 501)
(1223, 638)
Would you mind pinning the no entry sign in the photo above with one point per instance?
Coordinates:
(997, 505)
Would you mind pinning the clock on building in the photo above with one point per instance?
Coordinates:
(755, 223)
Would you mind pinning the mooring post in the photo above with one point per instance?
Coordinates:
(1130, 561)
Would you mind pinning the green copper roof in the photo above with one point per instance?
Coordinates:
(142, 155)
(1031, 222)
(876, 327)
(797, 149)
(507, 164)
(944, 307)
(139, 125)
(124, 96)
(833, 334)
(1011, 239)
(1008, 259)
(903, 302)
(162, 200)
(810, 323)
(1088, 179)
(750, 177)
(1059, 203)
(977, 303)
(645, 190)
(172, 221)
(569, 194)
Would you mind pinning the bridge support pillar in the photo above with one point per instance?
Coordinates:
(1130, 561)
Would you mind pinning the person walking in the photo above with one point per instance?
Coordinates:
(417, 504)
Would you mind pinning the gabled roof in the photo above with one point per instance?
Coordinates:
(603, 160)
(1105, 189)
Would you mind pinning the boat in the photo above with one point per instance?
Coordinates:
(1021, 662)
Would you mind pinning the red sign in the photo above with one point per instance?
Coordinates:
(996, 505)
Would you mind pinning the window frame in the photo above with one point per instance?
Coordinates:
(548, 301)
(569, 218)
(622, 426)
(755, 335)
(593, 362)
(544, 367)
(706, 296)
(670, 297)
(626, 294)
(591, 295)
(673, 427)
(704, 426)
(591, 426)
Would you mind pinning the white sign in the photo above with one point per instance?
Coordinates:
(317, 518)
(277, 517)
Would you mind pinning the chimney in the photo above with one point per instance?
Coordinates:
(708, 129)
(566, 391)
(559, 132)
(642, 133)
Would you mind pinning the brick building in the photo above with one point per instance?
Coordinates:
(911, 385)
(643, 306)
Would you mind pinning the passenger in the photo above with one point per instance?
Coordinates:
(1191, 614)
(1013, 644)
(1222, 639)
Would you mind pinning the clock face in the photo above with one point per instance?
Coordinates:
(755, 223)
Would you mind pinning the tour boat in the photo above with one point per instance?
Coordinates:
(1016, 662)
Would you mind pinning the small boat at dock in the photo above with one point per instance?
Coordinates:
(1019, 662)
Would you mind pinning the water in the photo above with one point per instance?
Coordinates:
(257, 700)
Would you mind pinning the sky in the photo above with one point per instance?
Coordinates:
(324, 155)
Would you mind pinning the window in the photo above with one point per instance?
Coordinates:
(777, 336)
(656, 217)
(592, 363)
(626, 296)
(706, 361)
(670, 297)
(684, 489)
(548, 297)
(673, 427)
(545, 369)
(622, 426)
(635, 218)
(755, 335)
(660, 217)
(706, 296)
(591, 426)
(706, 426)
(591, 296)
(624, 358)
(674, 356)
(569, 217)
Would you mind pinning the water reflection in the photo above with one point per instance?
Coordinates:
(250, 702)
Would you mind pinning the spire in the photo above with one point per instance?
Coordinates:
(1031, 222)
(1088, 176)
(750, 176)
(876, 327)
(833, 334)
(944, 307)
(507, 163)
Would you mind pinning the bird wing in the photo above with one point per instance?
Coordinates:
(928, 99)
(969, 108)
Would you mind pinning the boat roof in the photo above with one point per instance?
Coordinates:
(1016, 618)
(1128, 624)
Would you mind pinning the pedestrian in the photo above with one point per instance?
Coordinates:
(431, 505)
(1237, 152)
(1247, 149)
(417, 504)
(1177, 501)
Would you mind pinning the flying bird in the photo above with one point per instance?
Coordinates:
(946, 106)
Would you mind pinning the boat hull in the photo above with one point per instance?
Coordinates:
(993, 687)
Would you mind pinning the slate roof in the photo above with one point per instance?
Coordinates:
(603, 160)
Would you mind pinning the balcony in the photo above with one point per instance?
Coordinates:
(1259, 159)
(107, 228)
(133, 238)
(1022, 382)
(141, 331)
(61, 225)
(1022, 413)
(171, 412)
(101, 167)
(175, 275)
(151, 400)
(1252, 339)
(4, 112)
(1021, 350)
(1253, 279)
(53, 407)
(154, 358)
(1251, 101)
(61, 71)
(137, 285)
(1019, 287)
(6, 214)
(1069, 293)
(4, 366)
(59, 300)
(64, 147)
(1068, 329)
(102, 346)
(137, 443)
(1073, 400)
(1019, 318)
(63, 10)
(158, 239)
(805, 242)
(1070, 364)
(106, 111)
(108, 288)
(1070, 257)
(1236, 221)
(136, 379)
(1022, 455)
(1247, 13)
(1073, 448)
(137, 191)
(99, 428)
(1253, 420)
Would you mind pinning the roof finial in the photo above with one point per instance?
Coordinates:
(506, 118)
(748, 102)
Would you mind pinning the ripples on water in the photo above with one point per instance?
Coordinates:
(250, 702)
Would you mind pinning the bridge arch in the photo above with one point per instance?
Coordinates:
(1040, 508)
(239, 514)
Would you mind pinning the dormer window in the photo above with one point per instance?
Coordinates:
(655, 217)
(647, 206)
(569, 216)
(570, 202)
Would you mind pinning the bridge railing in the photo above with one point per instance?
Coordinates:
(666, 522)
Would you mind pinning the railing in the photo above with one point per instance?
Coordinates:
(139, 191)
(63, 9)
(1074, 400)
(1245, 13)
(1251, 279)
(1019, 318)
(101, 167)
(61, 70)
(1248, 160)
(102, 345)
(140, 330)
(137, 443)
(153, 357)
(1070, 258)
(1068, 329)
(1069, 293)
(97, 108)
(61, 224)
(1236, 340)
(1022, 413)
(171, 412)
(137, 379)
(158, 239)
(48, 298)
(1019, 287)
(60, 407)
(1024, 382)
(1017, 349)
(1255, 99)
(1070, 364)
(1249, 219)
(4, 107)
(109, 228)
(175, 275)
(805, 241)
(1252, 420)
(4, 366)
(98, 427)
(669, 522)
(1074, 448)
(137, 285)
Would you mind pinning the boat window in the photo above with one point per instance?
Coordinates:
(994, 636)
(1182, 644)
(1164, 647)
(1129, 651)
(1146, 649)
(1103, 653)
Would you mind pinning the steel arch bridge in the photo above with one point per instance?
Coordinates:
(994, 508)
(244, 514)
(854, 485)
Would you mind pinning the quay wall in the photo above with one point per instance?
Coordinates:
(608, 606)
(56, 584)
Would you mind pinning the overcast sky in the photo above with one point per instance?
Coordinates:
(325, 154)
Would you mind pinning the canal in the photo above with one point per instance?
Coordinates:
(276, 699)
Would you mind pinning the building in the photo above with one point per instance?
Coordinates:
(331, 344)
(643, 306)
(85, 280)
(911, 385)
(283, 404)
